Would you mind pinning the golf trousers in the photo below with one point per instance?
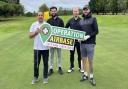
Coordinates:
(72, 52)
(37, 59)
(52, 51)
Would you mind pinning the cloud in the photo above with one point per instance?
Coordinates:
(66, 3)
(33, 5)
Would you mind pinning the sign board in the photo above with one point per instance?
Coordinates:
(59, 37)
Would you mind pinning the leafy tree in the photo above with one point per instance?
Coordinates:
(43, 8)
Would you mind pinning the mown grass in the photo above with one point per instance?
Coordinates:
(110, 61)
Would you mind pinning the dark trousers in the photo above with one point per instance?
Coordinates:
(37, 59)
(77, 46)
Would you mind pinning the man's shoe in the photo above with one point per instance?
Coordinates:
(92, 81)
(35, 80)
(70, 70)
(45, 80)
(60, 71)
(50, 72)
(84, 77)
(81, 70)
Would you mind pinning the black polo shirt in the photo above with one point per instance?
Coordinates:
(56, 22)
(73, 23)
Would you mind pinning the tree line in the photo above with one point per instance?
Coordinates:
(11, 8)
(97, 6)
(109, 6)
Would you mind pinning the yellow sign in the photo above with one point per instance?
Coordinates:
(46, 15)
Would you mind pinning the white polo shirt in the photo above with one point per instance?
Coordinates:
(38, 44)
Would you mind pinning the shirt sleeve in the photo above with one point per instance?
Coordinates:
(67, 24)
(31, 28)
(80, 28)
(95, 28)
(61, 23)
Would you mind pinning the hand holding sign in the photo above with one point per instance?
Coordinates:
(86, 37)
(37, 31)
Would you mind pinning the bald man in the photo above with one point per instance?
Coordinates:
(39, 49)
(73, 23)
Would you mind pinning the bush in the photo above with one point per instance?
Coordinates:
(10, 9)
(29, 14)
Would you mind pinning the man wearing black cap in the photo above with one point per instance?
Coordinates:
(89, 25)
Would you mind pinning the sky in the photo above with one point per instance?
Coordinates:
(33, 5)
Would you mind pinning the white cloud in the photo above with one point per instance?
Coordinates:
(33, 5)
(66, 3)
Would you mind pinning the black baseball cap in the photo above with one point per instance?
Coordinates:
(86, 8)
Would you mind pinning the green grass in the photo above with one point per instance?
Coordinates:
(110, 61)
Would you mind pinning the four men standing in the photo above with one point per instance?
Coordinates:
(85, 48)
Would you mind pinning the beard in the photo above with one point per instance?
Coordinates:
(54, 15)
(83, 15)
